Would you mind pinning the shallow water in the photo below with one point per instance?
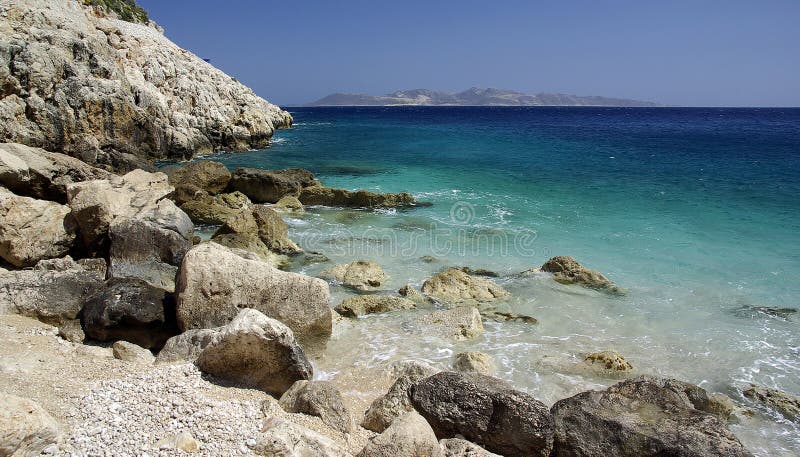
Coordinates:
(693, 211)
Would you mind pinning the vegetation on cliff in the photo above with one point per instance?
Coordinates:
(127, 10)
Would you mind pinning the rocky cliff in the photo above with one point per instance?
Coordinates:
(74, 78)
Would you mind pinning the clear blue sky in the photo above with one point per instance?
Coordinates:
(697, 53)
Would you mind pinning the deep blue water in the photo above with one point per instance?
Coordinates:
(694, 211)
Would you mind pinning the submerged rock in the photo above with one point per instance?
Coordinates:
(474, 362)
(360, 275)
(32, 230)
(321, 399)
(641, 417)
(269, 186)
(485, 410)
(371, 304)
(765, 311)
(409, 292)
(209, 176)
(453, 285)
(607, 364)
(26, 429)
(282, 438)
(567, 270)
(327, 196)
(409, 435)
(255, 350)
(502, 316)
(214, 282)
(36, 173)
(112, 92)
(460, 323)
(782, 402)
(132, 310)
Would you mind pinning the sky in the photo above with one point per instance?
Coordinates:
(687, 53)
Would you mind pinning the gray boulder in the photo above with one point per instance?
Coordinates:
(455, 447)
(282, 438)
(384, 410)
(254, 247)
(207, 175)
(371, 304)
(643, 417)
(32, 230)
(454, 285)
(485, 410)
(361, 275)
(40, 174)
(130, 352)
(408, 435)
(26, 429)
(132, 310)
(321, 399)
(255, 350)
(269, 186)
(187, 346)
(214, 282)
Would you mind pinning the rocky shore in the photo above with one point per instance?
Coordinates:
(123, 333)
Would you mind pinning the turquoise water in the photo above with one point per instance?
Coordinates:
(694, 211)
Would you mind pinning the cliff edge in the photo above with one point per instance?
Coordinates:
(74, 78)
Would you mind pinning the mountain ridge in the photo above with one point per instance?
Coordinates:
(475, 96)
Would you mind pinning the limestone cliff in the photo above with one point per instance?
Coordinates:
(76, 79)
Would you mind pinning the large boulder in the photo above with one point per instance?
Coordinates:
(453, 285)
(408, 435)
(40, 174)
(321, 399)
(485, 410)
(778, 400)
(78, 80)
(282, 438)
(96, 204)
(52, 296)
(255, 350)
(203, 208)
(132, 310)
(371, 304)
(460, 323)
(384, 410)
(25, 428)
(214, 282)
(269, 186)
(567, 270)
(187, 346)
(326, 196)
(360, 275)
(253, 247)
(209, 176)
(263, 223)
(32, 230)
(643, 417)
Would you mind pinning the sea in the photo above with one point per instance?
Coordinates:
(694, 212)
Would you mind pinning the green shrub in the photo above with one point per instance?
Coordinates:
(127, 10)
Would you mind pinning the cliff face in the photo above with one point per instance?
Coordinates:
(75, 79)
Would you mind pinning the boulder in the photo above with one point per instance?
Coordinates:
(147, 250)
(203, 208)
(455, 447)
(255, 350)
(186, 347)
(72, 331)
(321, 399)
(644, 416)
(567, 270)
(78, 80)
(360, 275)
(254, 247)
(607, 364)
(210, 176)
(408, 291)
(130, 352)
(289, 203)
(282, 438)
(474, 362)
(269, 186)
(384, 410)
(503, 316)
(409, 435)
(214, 282)
(66, 263)
(327, 196)
(410, 367)
(460, 323)
(40, 174)
(777, 400)
(25, 428)
(453, 285)
(53, 297)
(32, 230)
(371, 304)
(262, 223)
(485, 410)
(132, 310)
(96, 204)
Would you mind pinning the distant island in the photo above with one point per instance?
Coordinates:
(474, 96)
